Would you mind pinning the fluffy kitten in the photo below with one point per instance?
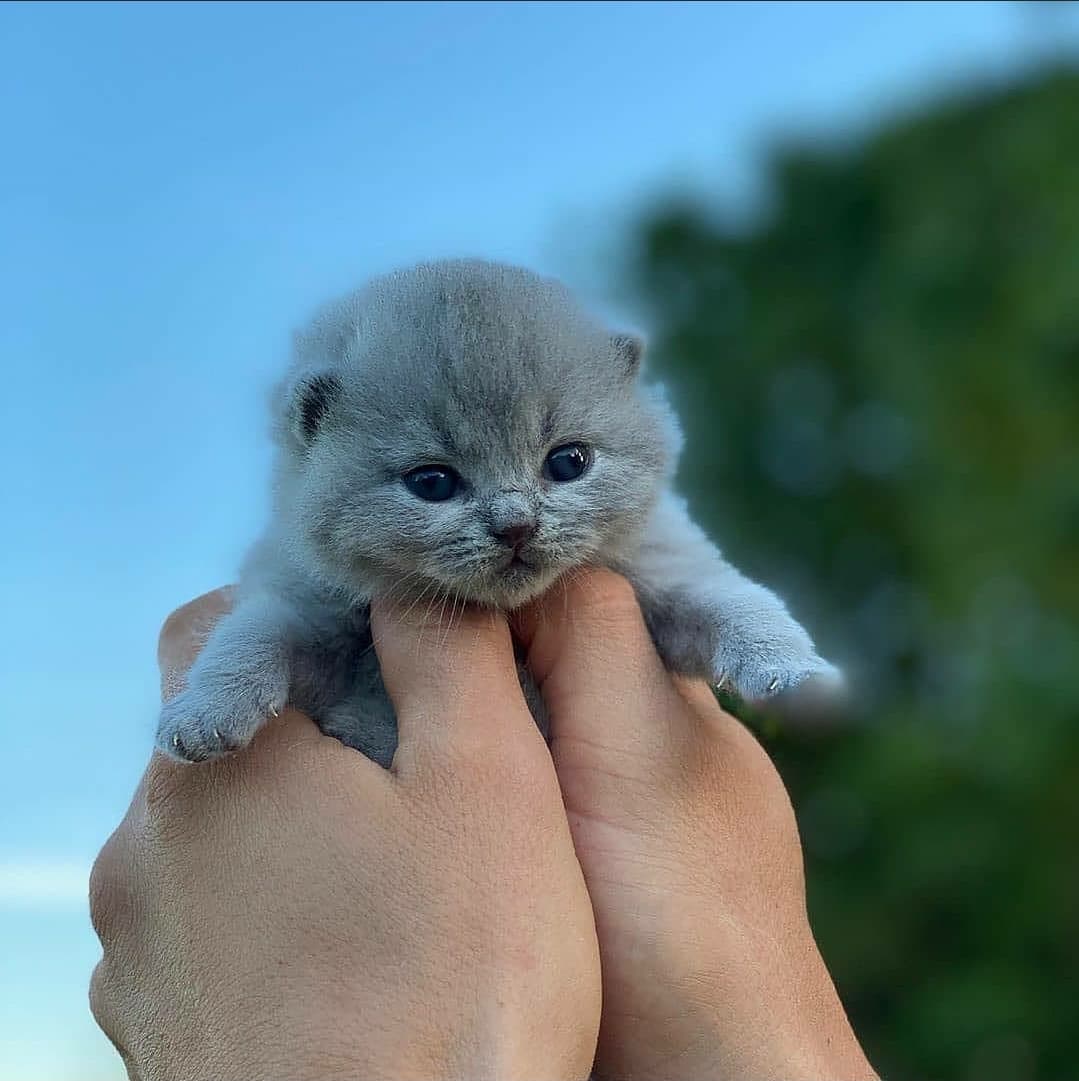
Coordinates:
(464, 431)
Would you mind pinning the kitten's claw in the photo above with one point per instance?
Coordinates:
(207, 721)
(761, 652)
(804, 679)
(181, 753)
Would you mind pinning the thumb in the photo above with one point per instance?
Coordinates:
(592, 657)
(453, 683)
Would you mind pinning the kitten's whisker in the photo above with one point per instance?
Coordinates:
(452, 597)
(419, 596)
(453, 612)
(580, 575)
(399, 618)
(400, 587)
(441, 615)
(426, 620)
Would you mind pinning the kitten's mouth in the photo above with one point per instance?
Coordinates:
(517, 571)
(515, 562)
(516, 578)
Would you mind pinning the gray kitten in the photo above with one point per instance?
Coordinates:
(464, 431)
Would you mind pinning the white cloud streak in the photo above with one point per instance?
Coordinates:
(43, 885)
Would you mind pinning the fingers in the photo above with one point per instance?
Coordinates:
(454, 686)
(592, 656)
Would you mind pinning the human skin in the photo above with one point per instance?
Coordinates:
(691, 853)
(297, 913)
(248, 882)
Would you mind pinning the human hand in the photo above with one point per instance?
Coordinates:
(691, 853)
(295, 912)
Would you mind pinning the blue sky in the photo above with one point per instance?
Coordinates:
(182, 183)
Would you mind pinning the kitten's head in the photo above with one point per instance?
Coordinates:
(464, 429)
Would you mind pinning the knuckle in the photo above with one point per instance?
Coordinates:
(109, 1006)
(480, 776)
(102, 1000)
(195, 616)
(177, 626)
(513, 775)
(113, 892)
(104, 880)
(99, 990)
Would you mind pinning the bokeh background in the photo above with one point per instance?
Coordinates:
(851, 232)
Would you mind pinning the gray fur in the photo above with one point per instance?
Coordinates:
(484, 368)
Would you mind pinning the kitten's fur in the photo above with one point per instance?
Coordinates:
(484, 368)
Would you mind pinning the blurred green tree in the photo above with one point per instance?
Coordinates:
(880, 381)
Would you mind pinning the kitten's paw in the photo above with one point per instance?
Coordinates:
(766, 653)
(810, 678)
(205, 721)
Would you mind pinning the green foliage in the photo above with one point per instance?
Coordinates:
(880, 380)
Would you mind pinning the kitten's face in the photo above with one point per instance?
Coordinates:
(477, 458)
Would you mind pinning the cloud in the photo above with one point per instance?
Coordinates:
(38, 885)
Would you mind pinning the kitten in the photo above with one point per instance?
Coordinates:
(464, 431)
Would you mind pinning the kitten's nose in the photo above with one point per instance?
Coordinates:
(514, 534)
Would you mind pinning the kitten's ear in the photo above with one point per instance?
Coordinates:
(310, 398)
(629, 349)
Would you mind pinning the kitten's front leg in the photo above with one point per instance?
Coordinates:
(240, 678)
(710, 621)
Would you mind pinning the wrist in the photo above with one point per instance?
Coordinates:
(761, 1053)
(801, 1031)
(761, 1011)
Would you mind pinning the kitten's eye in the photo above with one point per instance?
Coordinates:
(434, 483)
(567, 462)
